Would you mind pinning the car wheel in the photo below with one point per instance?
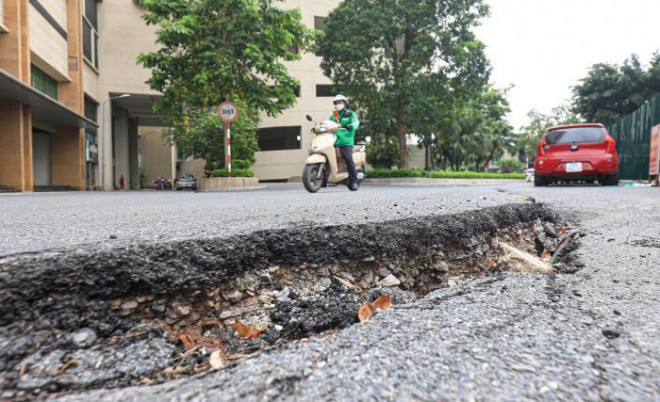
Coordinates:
(540, 181)
(612, 180)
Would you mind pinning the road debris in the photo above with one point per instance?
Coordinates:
(520, 261)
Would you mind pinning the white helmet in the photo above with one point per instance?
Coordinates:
(340, 97)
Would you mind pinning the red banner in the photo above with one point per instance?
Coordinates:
(654, 165)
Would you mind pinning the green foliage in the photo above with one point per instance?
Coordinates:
(211, 51)
(234, 173)
(241, 164)
(384, 152)
(439, 174)
(385, 173)
(512, 165)
(610, 92)
(203, 136)
(395, 55)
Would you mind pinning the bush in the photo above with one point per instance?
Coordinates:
(234, 173)
(241, 164)
(375, 173)
(437, 174)
(511, 165)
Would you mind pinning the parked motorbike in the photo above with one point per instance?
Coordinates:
(325, 165)
(160, 183)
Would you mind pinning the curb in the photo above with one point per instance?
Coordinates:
(422, 181)
(232, 189)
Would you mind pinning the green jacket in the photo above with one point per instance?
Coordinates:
(346, 136)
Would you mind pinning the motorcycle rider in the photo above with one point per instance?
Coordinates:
(346, 136)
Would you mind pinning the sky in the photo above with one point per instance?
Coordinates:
(544, 47)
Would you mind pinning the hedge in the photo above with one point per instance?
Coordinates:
(438, 174)
(234, 173)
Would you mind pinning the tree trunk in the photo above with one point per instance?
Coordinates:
(401, 132)
(490, 158)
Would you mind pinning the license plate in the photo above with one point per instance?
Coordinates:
(574, 167)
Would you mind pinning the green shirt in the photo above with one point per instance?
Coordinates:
(346, 137)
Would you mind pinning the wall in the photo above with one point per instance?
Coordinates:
(155, 155)
(67, 169)
(49, 47)
(123, 35)
(275, 165)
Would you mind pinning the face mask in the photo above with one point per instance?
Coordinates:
(339, 107)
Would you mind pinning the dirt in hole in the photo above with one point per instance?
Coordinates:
(162, 338)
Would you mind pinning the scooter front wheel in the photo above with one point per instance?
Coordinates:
(311, 179)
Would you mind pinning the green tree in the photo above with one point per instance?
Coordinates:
(610, 92)
(211, 51)
(380, 52)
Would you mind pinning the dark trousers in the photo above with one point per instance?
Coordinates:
(347, 154)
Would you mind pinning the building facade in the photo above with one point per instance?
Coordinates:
(73, 101)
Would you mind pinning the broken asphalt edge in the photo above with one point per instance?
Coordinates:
(190, 265)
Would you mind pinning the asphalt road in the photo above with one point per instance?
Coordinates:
(592, 335)
(42, 221)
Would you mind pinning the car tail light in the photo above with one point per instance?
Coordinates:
(610, 144)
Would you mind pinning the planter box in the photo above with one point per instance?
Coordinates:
(228, 184)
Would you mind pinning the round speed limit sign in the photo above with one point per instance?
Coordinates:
(228, 112)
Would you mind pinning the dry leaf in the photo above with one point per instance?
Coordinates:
(216, 360)
(247, 331)
(365, 312)
(382, 303)
(546, 255)
(191, 339)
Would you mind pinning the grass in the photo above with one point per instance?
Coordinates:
(438, 174)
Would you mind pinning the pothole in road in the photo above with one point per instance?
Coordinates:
(151, 338)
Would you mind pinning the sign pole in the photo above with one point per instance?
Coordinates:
(228, 128)
(228, 112)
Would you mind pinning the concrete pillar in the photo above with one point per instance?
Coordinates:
(105, 144)
(15, 147)
(71, 94)
(121, 152)
(134, 168)
(16, 127)
(66, 169)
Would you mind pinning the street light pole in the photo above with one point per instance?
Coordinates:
(102, 175)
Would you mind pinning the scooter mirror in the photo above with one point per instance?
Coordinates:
(309, 118)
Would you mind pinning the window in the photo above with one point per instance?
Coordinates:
(91, 148)
(43, 82)
(323, 91)
(90, 33)
(296, 90)
(575, 135)
(319, 25)
(279, 138)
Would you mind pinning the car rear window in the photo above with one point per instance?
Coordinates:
(575, 135)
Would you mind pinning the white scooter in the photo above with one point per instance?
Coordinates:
(325, 165)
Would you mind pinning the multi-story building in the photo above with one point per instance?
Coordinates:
(75, 111)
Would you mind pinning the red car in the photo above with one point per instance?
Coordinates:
(577, 152)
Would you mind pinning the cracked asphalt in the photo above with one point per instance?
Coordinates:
(592, 335)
